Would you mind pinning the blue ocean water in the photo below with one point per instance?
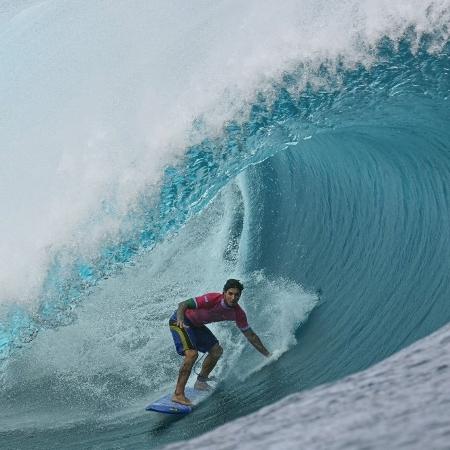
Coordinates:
(327, 193)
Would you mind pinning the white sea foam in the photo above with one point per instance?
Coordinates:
(98, 97)
(119, 350)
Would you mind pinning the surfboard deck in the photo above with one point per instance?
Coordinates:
(165, 405)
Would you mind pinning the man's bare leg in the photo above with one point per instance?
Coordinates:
(208, 365)
(190, 356)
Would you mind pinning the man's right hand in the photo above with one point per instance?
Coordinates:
(181, 324)
(182, 306)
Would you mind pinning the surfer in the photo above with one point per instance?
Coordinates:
(191, 336)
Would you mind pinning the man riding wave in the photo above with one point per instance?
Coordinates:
(191, 335)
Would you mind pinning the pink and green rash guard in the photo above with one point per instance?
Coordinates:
(211, 307)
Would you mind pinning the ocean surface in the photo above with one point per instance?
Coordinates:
(152, 149)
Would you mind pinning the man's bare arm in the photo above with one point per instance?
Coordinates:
(182, 307)
(253, 338)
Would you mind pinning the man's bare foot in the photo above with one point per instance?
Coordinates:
(202, 386)
(182, 399)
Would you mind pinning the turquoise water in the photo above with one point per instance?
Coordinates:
(338, 187)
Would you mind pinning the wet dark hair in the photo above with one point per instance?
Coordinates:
(232, 283)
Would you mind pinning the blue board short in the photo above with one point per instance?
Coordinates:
(191, 337)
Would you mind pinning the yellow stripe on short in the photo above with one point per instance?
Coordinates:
(184, 338)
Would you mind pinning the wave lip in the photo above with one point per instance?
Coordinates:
(185, 191)
(278, 120)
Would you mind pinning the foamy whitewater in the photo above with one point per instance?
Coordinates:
(153, 149)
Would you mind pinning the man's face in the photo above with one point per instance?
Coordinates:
(232, 296)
